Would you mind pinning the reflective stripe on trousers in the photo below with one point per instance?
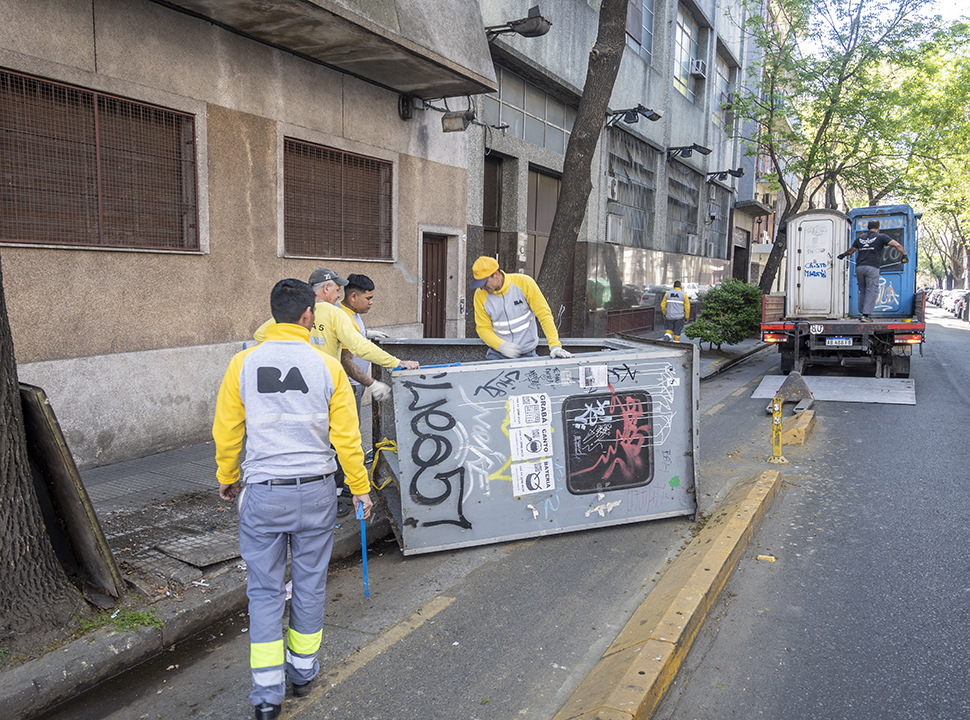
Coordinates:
(273, 518)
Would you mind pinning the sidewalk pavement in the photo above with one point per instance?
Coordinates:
(176, 544)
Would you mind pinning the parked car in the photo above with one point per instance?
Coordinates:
(652, 294)
(934, 297)
(950, 299)
(692, 289)
(960, 307)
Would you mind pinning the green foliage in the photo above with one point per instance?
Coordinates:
(123, 620)
(862, 97)
(731, 312)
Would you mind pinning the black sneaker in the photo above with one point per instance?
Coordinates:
(302, 690)
(344, 507)
(265, 711)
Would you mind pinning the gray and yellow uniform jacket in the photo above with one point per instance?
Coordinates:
(358, 322)
(675, 305)
(291, 401)
(333, 329)
(509, 314)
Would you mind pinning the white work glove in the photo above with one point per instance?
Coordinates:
(559, 353)
(377, 334)
(510, 350)
(379, 391)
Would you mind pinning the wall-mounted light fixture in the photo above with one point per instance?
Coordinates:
(722, 174)
(532, 25)
(451, 120)
(685, 151)
(631, 115)
(457, 121)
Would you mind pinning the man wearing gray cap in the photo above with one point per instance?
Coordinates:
(333, 329)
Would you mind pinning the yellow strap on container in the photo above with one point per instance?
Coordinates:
(385, 444)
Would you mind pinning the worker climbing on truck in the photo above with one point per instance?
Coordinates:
(870, 245)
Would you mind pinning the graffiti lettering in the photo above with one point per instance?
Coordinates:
(888, 299)
(646, 499)
(623, 372)
(549, 376)
(499, 385)
(431, 448)
(624, 452)
(609, 441)
(592, 415)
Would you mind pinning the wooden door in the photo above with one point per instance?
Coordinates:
(435, 267)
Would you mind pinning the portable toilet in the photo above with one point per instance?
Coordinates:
(816, 278)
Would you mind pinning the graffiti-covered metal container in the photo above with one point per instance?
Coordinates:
(495, 451)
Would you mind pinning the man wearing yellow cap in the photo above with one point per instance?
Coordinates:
(506, 308)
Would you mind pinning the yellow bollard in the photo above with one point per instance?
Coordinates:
(776, 456)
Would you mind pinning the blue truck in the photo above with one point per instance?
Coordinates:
(816, 321)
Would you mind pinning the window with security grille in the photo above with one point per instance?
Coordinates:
(718, 203)
(84, 169)
(683, 199)
(633, 173)
(336, 204)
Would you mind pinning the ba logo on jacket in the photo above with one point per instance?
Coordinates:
(268, 380)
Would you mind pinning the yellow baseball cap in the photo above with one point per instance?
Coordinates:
(482, 270)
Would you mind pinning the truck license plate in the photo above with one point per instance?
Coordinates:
(839, 341)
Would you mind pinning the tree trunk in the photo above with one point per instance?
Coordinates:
(36, 598)
(775, 258)
(604, 63)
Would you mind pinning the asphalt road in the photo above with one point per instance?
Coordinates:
(865, 612)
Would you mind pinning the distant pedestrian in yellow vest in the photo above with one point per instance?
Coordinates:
(676, 309)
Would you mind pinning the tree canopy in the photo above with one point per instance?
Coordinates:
(859, 98)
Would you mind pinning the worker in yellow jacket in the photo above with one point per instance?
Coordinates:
(506, 308)
(293, 405)
(333, 329)
(675, 307)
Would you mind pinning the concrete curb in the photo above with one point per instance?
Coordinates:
(36, 686)
(728, 364)
(639, 667)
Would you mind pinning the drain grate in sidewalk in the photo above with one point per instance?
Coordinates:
(202, 550)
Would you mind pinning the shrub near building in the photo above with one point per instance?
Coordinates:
(731, 313)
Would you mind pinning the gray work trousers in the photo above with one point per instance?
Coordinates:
(868, 278)
(272, 519)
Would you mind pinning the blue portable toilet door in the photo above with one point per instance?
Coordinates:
(897, 279)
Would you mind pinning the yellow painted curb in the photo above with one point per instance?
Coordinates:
(638, 668)
(795, 429)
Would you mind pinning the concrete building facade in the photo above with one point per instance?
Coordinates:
(663, 204)
(164, 164)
